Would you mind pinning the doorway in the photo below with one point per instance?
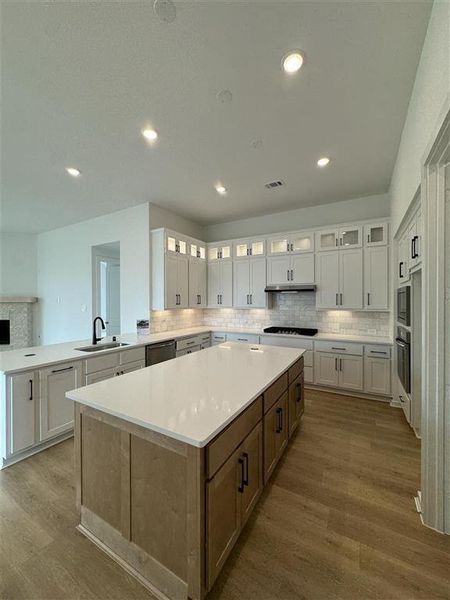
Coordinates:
(106, 285)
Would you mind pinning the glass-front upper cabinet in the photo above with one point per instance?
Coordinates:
(291, 243)
(219, 252)
(175, 244)
(197, 251)
(342, 238)
(376, 234)
(249, 248)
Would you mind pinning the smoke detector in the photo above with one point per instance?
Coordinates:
(166, 10)
(274, 184)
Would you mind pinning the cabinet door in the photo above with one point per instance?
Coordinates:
(350, 237)
(377, 376)
(376, 234)
(296, 403)
(56, 411)
(241, 284)
(223, 514)
(21, 390)
(351, 372)
(327, 240)
(226, 284)
(327, 295)
(403, 258)
(134, 366)
(102, 375)
(252, 455)
(278, 246)
(302, 242)
(183, 282)
(278, 270)
(241, 250)
(302, 268)
(376, 278)
(276, 428)
(197, 283)
(351, 279)
(214, 270)
(326, 369)
(257, 248)
(171, 280)
(258, 298)
(418, 240)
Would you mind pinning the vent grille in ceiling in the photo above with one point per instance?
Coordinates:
(273, 184)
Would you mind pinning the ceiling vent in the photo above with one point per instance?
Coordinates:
(274, 184)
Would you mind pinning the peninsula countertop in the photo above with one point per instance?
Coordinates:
(194, 397)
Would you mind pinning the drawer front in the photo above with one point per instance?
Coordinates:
(101, 363)
(340, 348)
(286, 341)
(378, 351)
(132, 355)
(295, 370)
(272, 393)
(204, 338)
(218, 451)
(101, 376)
(187, 343)
(250, 338)
(189, 350)
(218, 338)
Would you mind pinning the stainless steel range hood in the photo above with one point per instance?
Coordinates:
(291, 288)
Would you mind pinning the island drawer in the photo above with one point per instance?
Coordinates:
(378, 351)
(132, 355)
(222, 446)
(187, 343)
(100, 363)
(295, 370)
(273, 392)
(340, 348)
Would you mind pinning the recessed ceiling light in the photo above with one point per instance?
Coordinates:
(220, 189)
(322, 162)
(293, 62)
(73, 171)
(150, 134)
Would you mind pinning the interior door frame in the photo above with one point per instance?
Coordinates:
(98, 257)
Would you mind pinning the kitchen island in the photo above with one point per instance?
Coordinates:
(171, 459)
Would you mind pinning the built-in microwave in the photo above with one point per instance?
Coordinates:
(404, 305)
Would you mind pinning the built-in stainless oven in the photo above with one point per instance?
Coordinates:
(403, 343)
(404, 305)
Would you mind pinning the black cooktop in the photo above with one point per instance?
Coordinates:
(291, 330)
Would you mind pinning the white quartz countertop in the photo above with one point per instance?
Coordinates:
(194, 397)
(13, 361)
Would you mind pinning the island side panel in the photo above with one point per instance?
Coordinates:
(141, 499)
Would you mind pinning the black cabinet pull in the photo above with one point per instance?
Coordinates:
(299, 392)
(279, 428)
(62, 370)
(31, 390)
(241, 484)
(400, 274)
(412, 248)
(245, 479)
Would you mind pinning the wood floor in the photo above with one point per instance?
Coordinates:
(337, 521)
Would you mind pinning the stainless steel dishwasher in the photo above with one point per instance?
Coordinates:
(156, 353)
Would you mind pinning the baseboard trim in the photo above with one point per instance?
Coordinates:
(352, 393)
(8, 462)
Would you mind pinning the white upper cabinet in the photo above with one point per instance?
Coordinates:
(220, 251)
(197, 250)
(376, 234)
(176, 243)
(376, 280)
(246, 248)
(415, 240)
(341, 238)
(220, 284)
(177, 281)
(340, 279)
(291, 243)
(297, 268)
(197, 283)
(249, 281)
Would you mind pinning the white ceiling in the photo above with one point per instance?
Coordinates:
(80, 80)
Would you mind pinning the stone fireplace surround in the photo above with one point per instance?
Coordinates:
(19, 311)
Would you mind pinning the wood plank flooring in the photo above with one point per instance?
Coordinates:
(337, 522)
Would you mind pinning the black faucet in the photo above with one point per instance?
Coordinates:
(96, 339)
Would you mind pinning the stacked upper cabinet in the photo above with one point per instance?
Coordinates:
(339, 268)
(376, 266)
(290, 259)
(197, 274)
(220, 275)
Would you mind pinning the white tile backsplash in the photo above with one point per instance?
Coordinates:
(296, 310)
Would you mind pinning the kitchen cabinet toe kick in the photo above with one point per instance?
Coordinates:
(169, 512)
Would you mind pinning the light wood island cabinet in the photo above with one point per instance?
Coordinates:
(170, 512)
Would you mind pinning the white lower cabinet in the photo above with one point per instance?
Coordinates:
(249, 338)
(56, 411)
(377, 376)
(337, 370)
(21, 410)
(218, 338)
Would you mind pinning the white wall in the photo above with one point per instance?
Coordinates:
(160, 217)
(313, 216)
(18, 265)
(430, 95)
(65, 273)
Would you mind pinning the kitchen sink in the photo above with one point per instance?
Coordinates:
(99, 347)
